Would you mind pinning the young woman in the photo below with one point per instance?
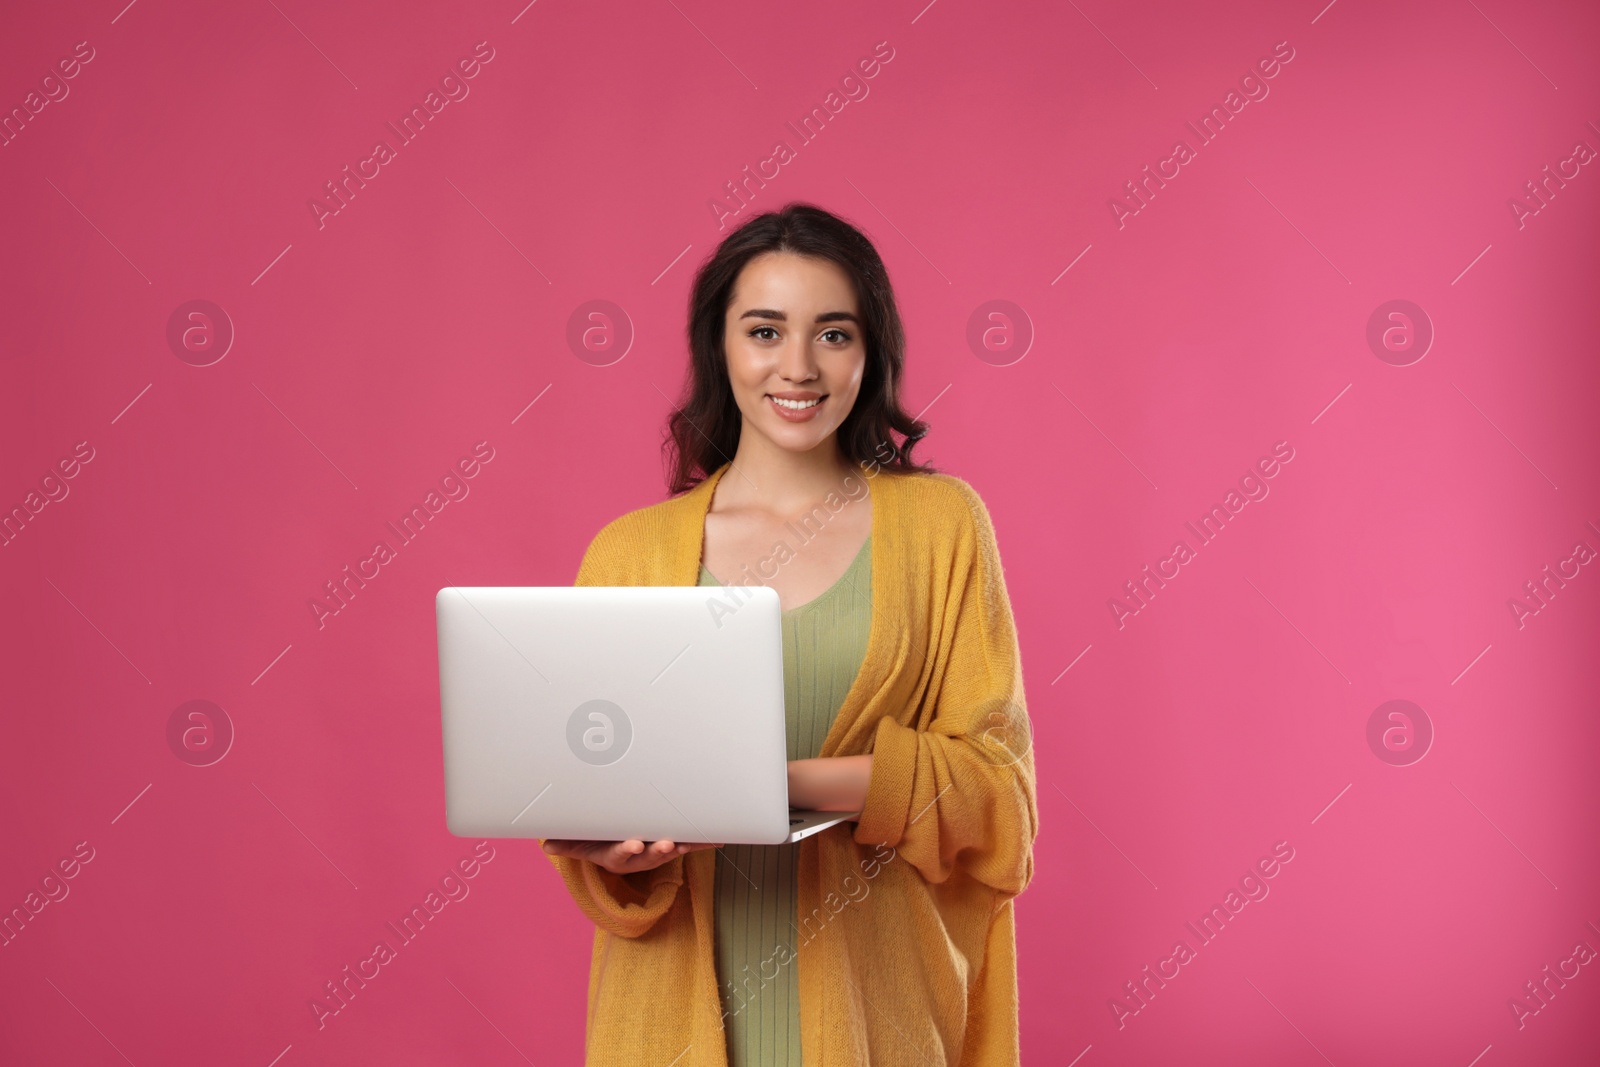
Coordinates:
(889, 940)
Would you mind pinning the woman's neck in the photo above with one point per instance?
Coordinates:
(779, 480)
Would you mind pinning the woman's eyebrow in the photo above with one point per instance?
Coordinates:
(826, 316)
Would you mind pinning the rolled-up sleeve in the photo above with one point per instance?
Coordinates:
(959, 792)
(627, 905)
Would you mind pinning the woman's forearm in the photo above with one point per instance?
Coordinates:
(835, 783)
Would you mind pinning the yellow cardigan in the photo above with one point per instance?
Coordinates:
(907, 947)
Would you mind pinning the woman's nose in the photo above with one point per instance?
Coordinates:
(796, 363)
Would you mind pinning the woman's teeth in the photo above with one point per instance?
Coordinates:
(796, 405)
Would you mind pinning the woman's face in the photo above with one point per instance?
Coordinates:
(792, 333)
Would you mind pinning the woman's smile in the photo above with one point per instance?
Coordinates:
(796, 410)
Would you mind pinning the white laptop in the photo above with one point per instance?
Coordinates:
(610, 713)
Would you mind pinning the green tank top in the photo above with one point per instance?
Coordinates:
(824, 643)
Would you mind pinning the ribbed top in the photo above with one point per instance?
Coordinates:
(757, 886)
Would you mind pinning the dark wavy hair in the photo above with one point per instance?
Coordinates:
(703, 431)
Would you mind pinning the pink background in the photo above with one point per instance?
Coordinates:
(1229, 314)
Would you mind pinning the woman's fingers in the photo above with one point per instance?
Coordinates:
(631, 856)
(624, 857)
(597, 851)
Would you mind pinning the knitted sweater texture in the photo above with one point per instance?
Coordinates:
(907, 947)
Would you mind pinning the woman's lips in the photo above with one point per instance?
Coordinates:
(794, 415)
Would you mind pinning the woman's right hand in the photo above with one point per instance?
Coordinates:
(623, 857)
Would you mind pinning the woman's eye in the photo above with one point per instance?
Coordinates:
(839, 336)
(757, 332)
